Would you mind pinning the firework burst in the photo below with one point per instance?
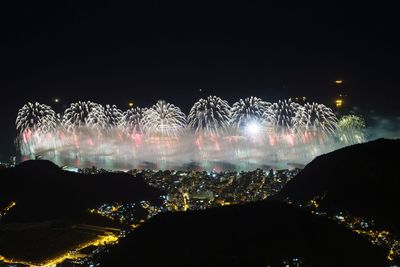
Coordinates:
(36, 117)
(163, 120)
(248, 111)
(351, 129)
(280, 115)
(315, 118)
(210, 116)
(252, 130)
(84, 114)
(132, 120)
(113, 116)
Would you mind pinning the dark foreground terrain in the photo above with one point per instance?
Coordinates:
(50, 212)
(256, 234)
(362, 180)
(43, 191)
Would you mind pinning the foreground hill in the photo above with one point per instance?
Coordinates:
(362, 179)
(256, 234)
(43, 191)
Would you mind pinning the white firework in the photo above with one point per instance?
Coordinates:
(351, 129)
(284, 132)
(97, 118)
(315, 118)
(210, 116)
(84, 114)
(113, 116)
(280, 115)
(247, 111)
(163, 120)
(36, 117)
(132, 120)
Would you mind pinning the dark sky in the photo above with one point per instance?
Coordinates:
(112, 53)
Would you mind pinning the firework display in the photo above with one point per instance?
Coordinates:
(36, 122)
(132, 120)
(315, 118)
(351, 129)
(251, 131)
(35, 117)
(247, 111)
(210, 116)
(113, 116)
(83, 114)
(280, 115)
(163, 120)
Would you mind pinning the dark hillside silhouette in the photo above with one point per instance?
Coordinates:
(43, 191)
(255, 234)
(361, 179)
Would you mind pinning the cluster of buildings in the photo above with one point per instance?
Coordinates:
(200, 189)
(184, 190)
(130, 214)
(196, 190)
(364, 227)
(8, 164)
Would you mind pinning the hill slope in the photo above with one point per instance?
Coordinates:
(43, 191)
(255, 234)
(362, 179)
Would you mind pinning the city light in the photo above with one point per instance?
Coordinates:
(339, 103)
(339, 81)
(101, 240)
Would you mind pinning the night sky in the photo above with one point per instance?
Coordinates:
(114, 53)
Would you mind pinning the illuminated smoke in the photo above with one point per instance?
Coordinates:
(251, 133)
